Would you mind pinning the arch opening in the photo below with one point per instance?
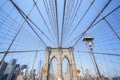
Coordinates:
(53, 69)
(65, 69)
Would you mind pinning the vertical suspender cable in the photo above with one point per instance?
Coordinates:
(63, 22)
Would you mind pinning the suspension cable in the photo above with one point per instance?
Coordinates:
(43, 18)
(22, 51)
(48, 14)
(51, 8)
(107, 23)
(73, 18)
(102, 53)
(106, 16)
(98, 21)
(25, 16)
(57, 20)
(69, 12)
(80, 19)
(92, 23)
(14, 38)
(63, 21)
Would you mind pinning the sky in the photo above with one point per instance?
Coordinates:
(55, 31)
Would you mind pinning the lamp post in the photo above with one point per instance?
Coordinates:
(89, 43)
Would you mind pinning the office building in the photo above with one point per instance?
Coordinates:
(9, 70)
(3, 68)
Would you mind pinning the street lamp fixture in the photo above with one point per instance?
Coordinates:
(89, 43)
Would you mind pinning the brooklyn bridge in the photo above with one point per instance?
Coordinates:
(59, 39)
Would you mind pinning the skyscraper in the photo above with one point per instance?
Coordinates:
(10, 69)
(3, 68)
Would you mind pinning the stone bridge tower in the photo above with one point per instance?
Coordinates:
(59, 54)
